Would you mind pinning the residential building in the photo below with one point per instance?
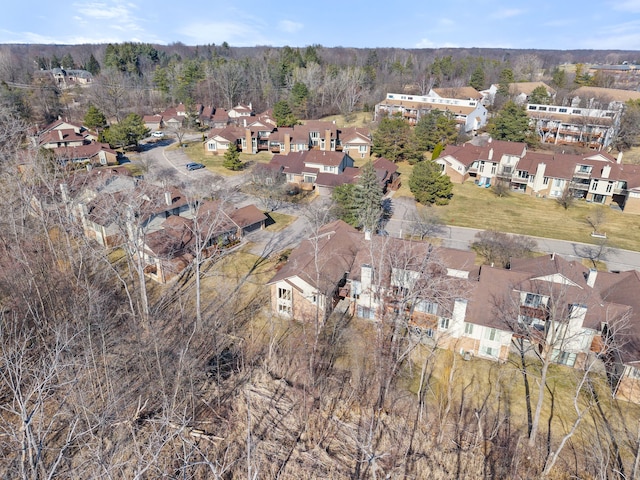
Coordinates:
(576, 314)
(596, 177)
(463, 103)
(519, 92)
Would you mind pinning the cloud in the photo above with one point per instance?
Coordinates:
(234, 33)
(290, 27)
(627, 5)
(507, 13)
(623, 36)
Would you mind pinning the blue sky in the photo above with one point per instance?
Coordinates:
(544, 24)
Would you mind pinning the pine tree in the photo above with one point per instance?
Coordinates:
(367, 198)
(283, 115)
(512, 124)
(94, 118)
(428, 185)
(92, 66)
(391, 138)
(232, 158)
(477, 78)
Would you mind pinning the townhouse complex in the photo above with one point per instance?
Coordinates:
(596, 177)
(442, 298)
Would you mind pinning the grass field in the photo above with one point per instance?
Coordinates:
(476, 207)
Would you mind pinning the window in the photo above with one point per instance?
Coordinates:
(443, 323)
(545, 181)
(609, 187)
(308, 179)
(490, 352)
(577, 112)
(533, 300)
(468, 328)
(362, 149)
(365, 312)
(491, 334)
(542, 109)
(493, 168)
(326, 168)
(563, 110)
(427, 307)
(284, 309)
(594, 185)
(634, 372)
(552, 109)
(563, 358)
(284, 294)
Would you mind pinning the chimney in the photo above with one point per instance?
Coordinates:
(167, 198)
(619, 158)
(287, 143)
(366, 275)
(60, 135)
(64, 191)
(591, 277)
(606, 170)
(490, 140)
(249, 141)
(327, 139)
(490, 154)
(367, 234)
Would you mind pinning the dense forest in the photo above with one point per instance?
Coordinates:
(317, 81)
(105, 374)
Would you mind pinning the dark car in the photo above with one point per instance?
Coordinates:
(194, 166)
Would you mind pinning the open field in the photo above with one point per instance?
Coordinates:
(476, 207)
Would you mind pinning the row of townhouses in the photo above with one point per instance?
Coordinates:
(442, 298)
(163, 228)
(596, 177)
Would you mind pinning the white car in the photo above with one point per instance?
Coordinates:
(157, 134)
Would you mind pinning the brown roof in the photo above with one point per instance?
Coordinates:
(247, 216)
(614, 94)
(528, 87)
(460, 93)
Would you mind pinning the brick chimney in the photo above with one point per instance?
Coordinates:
(287, 143)
(248, 140)
(327, 139)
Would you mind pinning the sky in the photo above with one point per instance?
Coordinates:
(540, 24)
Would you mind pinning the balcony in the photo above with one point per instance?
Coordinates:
(582, 174)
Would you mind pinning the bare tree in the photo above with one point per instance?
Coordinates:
(498, 248)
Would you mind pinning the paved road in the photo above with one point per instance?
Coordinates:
(400, 223)
(169, 166)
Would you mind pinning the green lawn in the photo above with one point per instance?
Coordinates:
(477, 207)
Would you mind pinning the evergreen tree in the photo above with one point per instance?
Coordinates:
(68, 63)
(512, 124)
(367, 198)
(127, 132)
(539, 95)
(94, 118)
(232, 158)
(429, 185)
(477, 78)
(435, 128)
(283, 115)
(299, 99)
(92, 66)
(392, 138)
(343, 197)
(559, 78)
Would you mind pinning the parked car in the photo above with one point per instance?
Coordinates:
(194, 166)
(157, 134)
